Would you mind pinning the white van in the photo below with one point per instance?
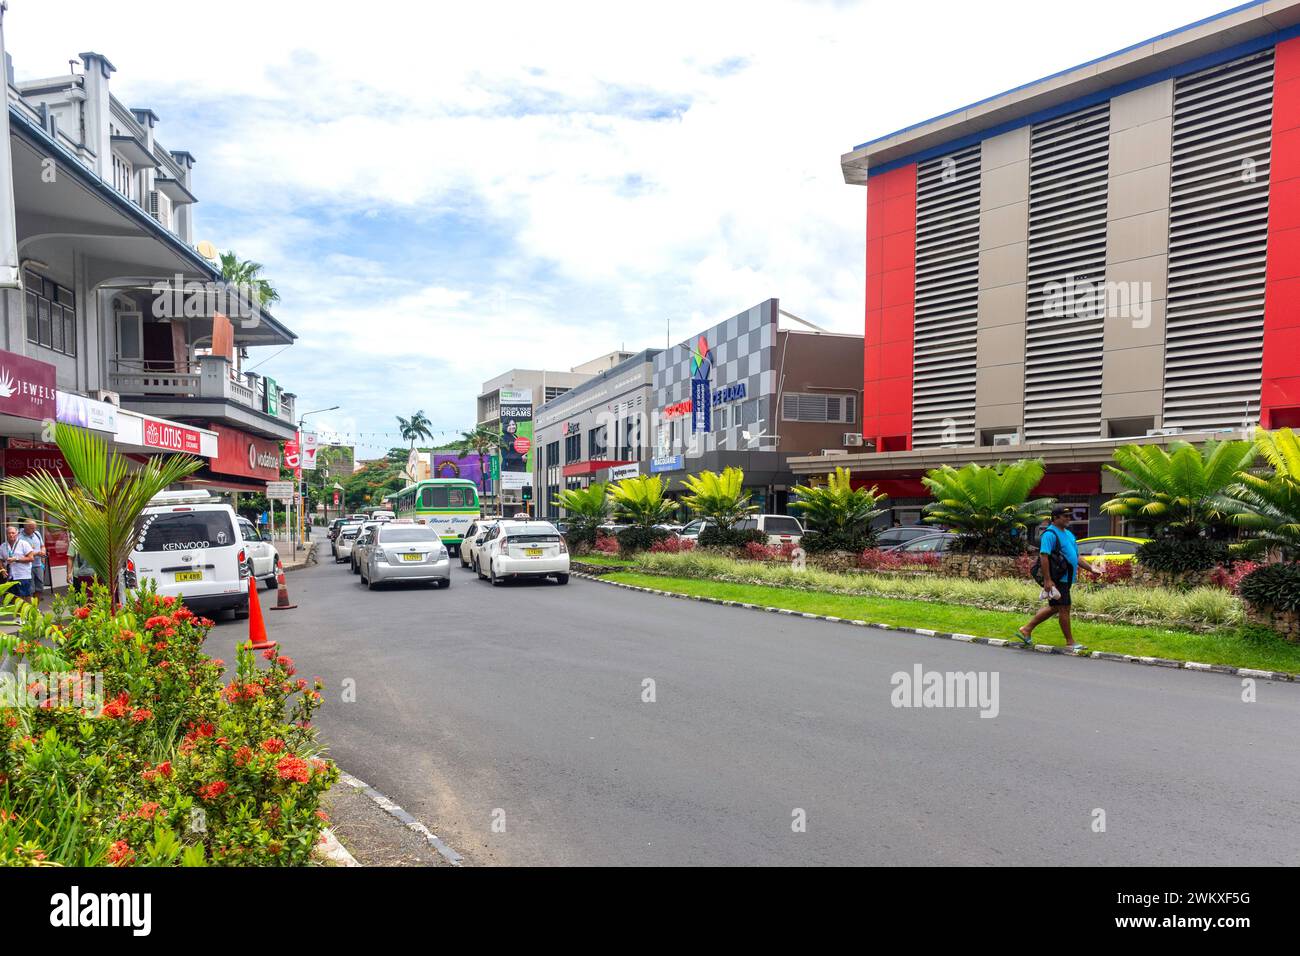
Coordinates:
(780, 529)
(189, 545)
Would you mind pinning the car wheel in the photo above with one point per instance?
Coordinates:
(561, 579)
(241, 612)
(444, 583)
(272, 582)
(492, 575)
(369, 582)
(478, 569)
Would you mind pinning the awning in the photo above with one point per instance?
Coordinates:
(580, 468)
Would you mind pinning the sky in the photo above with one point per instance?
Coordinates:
(442, 192)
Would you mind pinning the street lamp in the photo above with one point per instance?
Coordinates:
(302, 482)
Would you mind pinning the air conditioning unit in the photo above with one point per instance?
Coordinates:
(104, 395)
(833, 452)
(1007, 438)
(853, 439)
(1155, 432)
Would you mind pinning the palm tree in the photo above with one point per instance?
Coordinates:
(481, 441)
(1270, 504)
(720, 498)
(416, 427)
(585, 509)
(248, 274)
(839, 513)
(1179, 493)
(641, 501)
(988, 506)
(100, 506)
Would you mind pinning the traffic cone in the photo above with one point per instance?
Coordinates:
(282, 598)
(257, 638)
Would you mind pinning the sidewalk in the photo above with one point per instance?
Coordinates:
(305, 556)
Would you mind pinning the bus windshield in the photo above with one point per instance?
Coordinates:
(456, 497)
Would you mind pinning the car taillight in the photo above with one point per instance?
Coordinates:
(504, 540)
(564, 548)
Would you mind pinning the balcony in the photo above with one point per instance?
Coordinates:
(209, 389)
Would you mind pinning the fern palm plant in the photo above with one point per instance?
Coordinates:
(640, 501)
(988, 506)
(721, 498)
(1270, 504)
(585, 509)
(1180, 492)
(100, 506)
(840, 514)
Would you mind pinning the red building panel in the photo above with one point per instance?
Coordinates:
(891, 280)
(1280, 386)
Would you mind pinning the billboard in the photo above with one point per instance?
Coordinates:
(516, 443)
(459, 466)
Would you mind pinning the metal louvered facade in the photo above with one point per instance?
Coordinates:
(1066, 269)
(946, 299)
(1218, 238)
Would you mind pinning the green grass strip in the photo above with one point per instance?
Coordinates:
(1230, 647)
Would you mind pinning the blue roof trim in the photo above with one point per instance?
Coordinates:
(1077, 66)
(1182, 69)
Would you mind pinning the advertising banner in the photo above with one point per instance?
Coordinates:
(307, 448)
(239, 453)
(86, 413)
(459, 466)
(619, 472)
(27, 387)
(292, 458)
(516, 445)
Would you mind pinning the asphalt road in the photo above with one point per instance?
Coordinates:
(523, 705)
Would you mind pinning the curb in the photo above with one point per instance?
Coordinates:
(397, 813)
(330, 850)
(1280, 676)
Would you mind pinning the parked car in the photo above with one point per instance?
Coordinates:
(513, 549)
(892, 537)
(383, 516)
(937, 542)
(189, 545)
(261, 553)
(780, 529)
(404, 552)
(691, 532)
(364, 539)
(334, 528)
(346, 538)
(1111, 547)
(475, 531)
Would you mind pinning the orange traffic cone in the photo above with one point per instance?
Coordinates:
(257, 638)
(282, 598)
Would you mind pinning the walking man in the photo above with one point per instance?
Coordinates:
(17, 556)
(1058, 556)
(40, 579)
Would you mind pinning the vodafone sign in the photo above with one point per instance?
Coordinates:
(239, 453)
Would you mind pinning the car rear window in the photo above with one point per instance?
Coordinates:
(405, 534)
(782, 526)
(533, 533)
(184, 531)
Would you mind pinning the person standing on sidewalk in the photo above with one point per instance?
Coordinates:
(30, 534)
(1058, 557)
(17, 556)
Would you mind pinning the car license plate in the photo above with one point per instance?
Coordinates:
(412, 557)
(189, 576)
(533, 552)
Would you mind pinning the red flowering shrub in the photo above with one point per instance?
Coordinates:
(1112, 572)
(877, 559)
(672, 545)
(1229, 577)
(167, 765)
(606, 544)
(757, 551)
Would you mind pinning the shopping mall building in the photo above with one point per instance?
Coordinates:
(1107, 255)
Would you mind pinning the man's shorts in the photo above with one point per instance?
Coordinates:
(1064, 599)
(22, 587)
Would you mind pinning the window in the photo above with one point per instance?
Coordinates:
(405, 534)
(552, 454)
(185, 531)
(596, 446)
(573, 448)
(447, 496)
(803, 407)
(776, 524)
(51, 314)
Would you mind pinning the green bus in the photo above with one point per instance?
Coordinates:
(447, 504)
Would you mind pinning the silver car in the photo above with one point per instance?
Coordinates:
(365, 538)
(405, 552)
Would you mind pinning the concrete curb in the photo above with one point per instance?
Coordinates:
(968, 638)
(397, 813)
(330, 850)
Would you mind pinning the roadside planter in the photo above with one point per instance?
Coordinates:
(1271, 595)
(980, 567)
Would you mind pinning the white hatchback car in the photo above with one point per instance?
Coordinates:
(261, 553)
(188, 544)
(346, 539)
(468, 545)
(523, 549)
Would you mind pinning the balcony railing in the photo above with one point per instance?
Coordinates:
(211, 377)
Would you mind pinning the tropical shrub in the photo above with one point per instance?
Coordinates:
(637, 538)
(713, 536)
(1112, 572)
(154, 762)
(640, 501)
(1181, 492)
(721, 498)
(1172, 555)
(585, 510)
(1273, 585)
(672, 545)
(756, 551)
(987, 506)
(839, 515)
(1229, 576)
(1270, 504)
(100, 505)
(607, 544)
(878, 559)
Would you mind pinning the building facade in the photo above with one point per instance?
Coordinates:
(1103, 256)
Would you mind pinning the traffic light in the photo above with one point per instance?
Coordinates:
(528, 492)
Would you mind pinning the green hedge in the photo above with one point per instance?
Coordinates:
(1274, 585)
